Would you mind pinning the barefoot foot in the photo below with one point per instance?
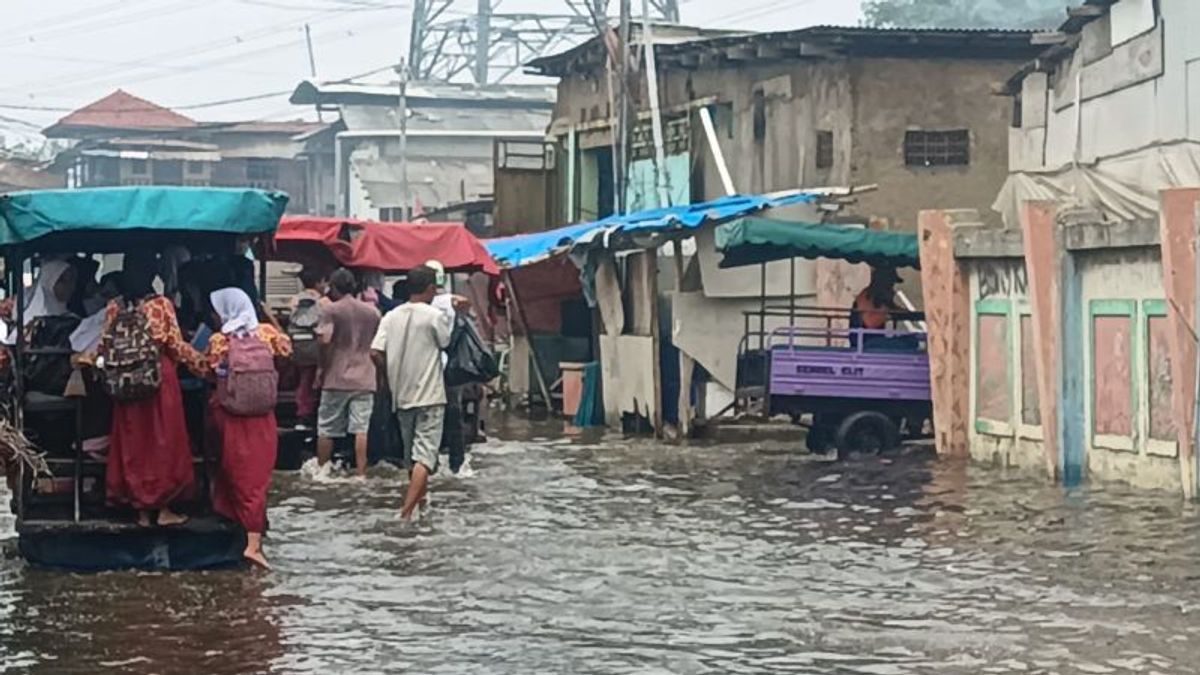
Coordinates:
(167, 518)
(257, 559)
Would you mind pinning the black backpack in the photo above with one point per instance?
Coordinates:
(302, 329)
(469, 359)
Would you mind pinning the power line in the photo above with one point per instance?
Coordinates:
(74, 16)
(106, 22)
(231, 101)
(156, 59)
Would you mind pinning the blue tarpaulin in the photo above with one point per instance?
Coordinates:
(527, 249)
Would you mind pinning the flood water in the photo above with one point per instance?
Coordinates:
(618, 556)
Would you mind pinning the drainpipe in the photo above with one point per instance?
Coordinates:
(339, 177)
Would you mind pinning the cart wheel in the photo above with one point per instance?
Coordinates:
(867, 433)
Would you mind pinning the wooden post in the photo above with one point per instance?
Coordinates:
(537, 366)
(686, 362)
(651, 268)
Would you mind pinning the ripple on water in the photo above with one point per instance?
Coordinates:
(619, 556)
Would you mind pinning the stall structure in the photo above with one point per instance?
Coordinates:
(617, 260)
(549, 319)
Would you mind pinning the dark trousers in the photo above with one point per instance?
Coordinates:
(453, 443)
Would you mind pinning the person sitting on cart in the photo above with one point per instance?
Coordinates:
(874, 308)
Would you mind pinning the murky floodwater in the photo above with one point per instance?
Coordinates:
(626, 557)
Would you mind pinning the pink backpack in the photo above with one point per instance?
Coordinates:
(251, 385)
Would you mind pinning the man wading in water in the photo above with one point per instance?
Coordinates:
(408, 347)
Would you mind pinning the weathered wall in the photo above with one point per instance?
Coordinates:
(1005, 427)
(628, 378)
(948, 315)
(525, 201)
(1141, 91)
(892, 96)
(1174, 338)
(1121, 293)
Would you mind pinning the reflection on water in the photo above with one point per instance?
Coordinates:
(614, 556)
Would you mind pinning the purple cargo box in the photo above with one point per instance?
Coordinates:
(849, 372)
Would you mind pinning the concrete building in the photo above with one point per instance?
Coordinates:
(913, 111)
(451, 133)
(1073, 317)
(125, 140)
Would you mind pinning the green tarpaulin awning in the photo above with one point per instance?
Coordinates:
(28, 216)
(752, 241)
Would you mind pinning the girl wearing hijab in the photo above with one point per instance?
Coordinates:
(54, 288)
(248, 444)
(150, 455)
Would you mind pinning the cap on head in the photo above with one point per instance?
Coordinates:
(439, 270)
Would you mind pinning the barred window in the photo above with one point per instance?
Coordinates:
(824, 149)
(937, 148)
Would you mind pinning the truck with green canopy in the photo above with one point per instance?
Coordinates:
(63, 519)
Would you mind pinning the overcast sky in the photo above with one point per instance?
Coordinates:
(62, 54)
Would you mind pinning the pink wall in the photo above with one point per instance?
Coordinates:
(1178, 235)
(948, 313)
(1040, 238)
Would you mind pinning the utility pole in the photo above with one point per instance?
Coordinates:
(483, 41)
(660, 161)
(625, 116)
(402, 116)
(312, 64)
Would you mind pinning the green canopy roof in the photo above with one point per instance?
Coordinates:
(28, 216)
(752, 241)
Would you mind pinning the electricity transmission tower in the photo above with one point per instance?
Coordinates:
(456, 40)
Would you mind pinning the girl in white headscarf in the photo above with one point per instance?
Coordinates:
(248, 444)
(52, 290)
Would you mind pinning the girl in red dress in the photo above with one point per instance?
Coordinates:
(248, 444)
(150, 453)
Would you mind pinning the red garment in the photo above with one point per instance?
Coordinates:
(150, 454)
(248, 449)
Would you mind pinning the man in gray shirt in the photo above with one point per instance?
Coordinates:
(408, 346)
(345, 332)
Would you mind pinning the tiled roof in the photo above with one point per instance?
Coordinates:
(122, 110)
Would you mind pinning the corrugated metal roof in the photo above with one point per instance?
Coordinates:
(435, 182)
(121, 110)
(309, 92)
(447, 117)
(815, 41)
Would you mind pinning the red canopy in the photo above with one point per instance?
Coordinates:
(388, 247)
